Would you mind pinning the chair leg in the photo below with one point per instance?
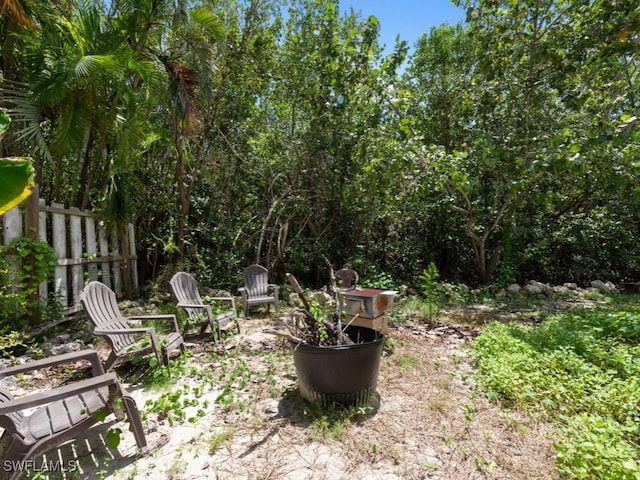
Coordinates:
(235, 319)
(116, 401)
(203, 328)
(164, 357)
(136, 424)
(15, 452)
(110, 361)
(245, 308)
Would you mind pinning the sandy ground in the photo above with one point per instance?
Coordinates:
(234, 412)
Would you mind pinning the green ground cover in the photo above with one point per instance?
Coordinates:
(581, 370)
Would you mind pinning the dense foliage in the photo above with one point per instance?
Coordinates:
(579, 369)
(276, 131)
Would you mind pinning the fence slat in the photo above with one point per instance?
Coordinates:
(59, 229)
(134, 255)
(85, 250)
(116, 268)
(91, 247)
(104, 252)
(77, 271)
(43, 288)
(12, 223)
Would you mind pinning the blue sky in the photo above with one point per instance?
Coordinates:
(407, 18)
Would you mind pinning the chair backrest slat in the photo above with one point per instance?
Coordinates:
(256, 280)
(101, 306)
(185, 289)
(12, 422)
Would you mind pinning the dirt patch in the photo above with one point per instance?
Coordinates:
(239, 416)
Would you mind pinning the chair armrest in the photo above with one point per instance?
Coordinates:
(232, 300)
(155, 343)
(125, 331)
(191, 305)
(222, 298)
(58, 393)
(243, 293)
(168, 317)
(89, 355)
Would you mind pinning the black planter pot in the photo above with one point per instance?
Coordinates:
(345, 374)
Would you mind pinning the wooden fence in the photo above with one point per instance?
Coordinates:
(84, 248)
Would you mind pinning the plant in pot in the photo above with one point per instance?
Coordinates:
(335, 362)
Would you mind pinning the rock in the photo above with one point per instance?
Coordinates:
(514, 288)
(605, 287)
(323, 298)
(561, 290)
(155, 299)
(533, 288)
(294, 300)
(536, 288)
(9, 383)
(570, 286)
(58, 349)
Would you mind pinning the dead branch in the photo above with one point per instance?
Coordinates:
(312, 330)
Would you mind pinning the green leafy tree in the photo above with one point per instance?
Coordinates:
(514, 127)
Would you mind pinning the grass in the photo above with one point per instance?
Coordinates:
(216, 440)
(580, 370)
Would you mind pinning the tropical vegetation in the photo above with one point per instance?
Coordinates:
(501, 149)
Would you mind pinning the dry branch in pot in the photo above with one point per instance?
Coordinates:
(314, 325)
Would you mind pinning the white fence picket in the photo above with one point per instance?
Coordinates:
(91, 247)
(43, 289)
(12, 223)
(84, 249)
(59, 243)
(77, 271)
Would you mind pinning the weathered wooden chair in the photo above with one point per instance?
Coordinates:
(37, 422)
(126, 342)
(185, 289)
(257, 290)
(346, 278)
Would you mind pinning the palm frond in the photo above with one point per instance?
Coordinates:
(91, 65)
(17, 11)
(209, 21)
(26, 117)
(73, 122)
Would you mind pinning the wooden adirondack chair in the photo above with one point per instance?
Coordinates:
(185, 289)
(257, 290)
(346, 278)
(57, 415)
(126, 342)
